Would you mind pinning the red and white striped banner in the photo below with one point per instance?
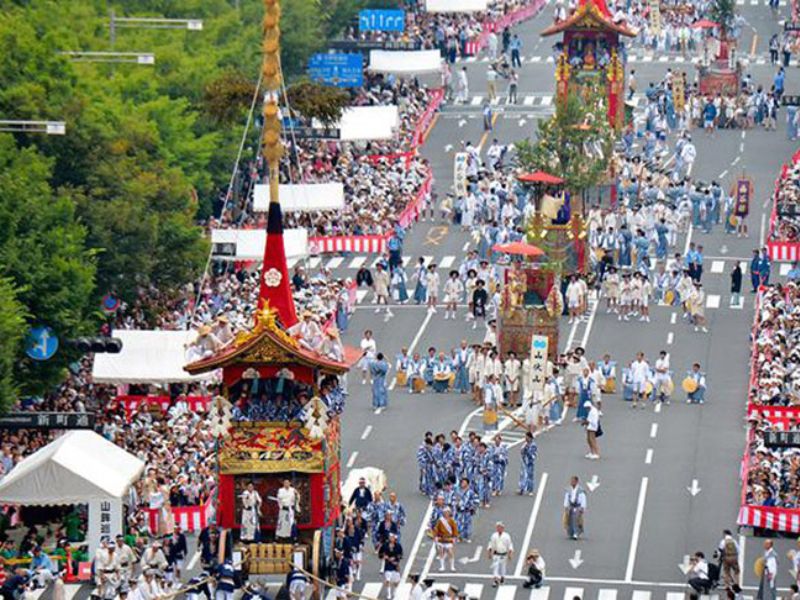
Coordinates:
(784, 251)
(133, 403)
(768, 517)
(190, 518)
(361, 244)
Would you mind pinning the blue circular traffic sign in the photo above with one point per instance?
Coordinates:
(41, 343)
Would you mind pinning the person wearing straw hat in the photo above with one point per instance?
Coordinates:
(453, 291)
(206, 343)
(536, 569)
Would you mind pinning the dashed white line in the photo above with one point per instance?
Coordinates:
(658, 407)
(736, 160)
(741, 146)
(367, 431)
(653, 430)
(670, 338)
(637, 526)
(723, 174)
(648, 457)
(378, 410)
(673, 318)
(465, 247)
(352, 460)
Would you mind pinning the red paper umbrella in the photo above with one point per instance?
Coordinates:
(540, 177)
(518, 248)
(704, 24)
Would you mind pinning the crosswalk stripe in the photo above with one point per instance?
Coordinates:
(428, 260)
(572, 592)
(447, 261)
(663, 58)
(712, 301)
(676, 596)
(335, 262)
(360, 295)
(640, 595)
(403, 591)
(547, 100)
(291, 262)
(372, 590)
(357, 262)
(406, 260)
(536, 59)
(679, 59)
(606, 594)
(376, 260)
(718, 266)
(551, 60)
(541, 594)
(314, 262)
(506, 592)
(473, 590)
(71, 590)
(528, 100)
(331, 595)
(495, 101)
(476, 100)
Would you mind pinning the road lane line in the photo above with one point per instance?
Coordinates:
(688, 239)
(658, 407)
(367, 431)
(588, 330)
(673, 318)
(762, 230)
(465, 247)
(648, 457)
(193, 561)
(378, 410)
(670, 337)
(537, 504)
(352, 460)
(637, 526)
(653, 430)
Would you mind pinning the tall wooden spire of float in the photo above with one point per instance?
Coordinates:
(275, 288)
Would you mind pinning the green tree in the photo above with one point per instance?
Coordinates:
(43, 253)
(723, 12)
(313, 100)
(12, 332)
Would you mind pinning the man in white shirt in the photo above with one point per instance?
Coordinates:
(640, 371)
(663, 383)
(574, 508)
(698, 575)
(592, 424)
(500, 549)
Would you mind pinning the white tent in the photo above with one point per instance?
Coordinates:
(148, 356)
(455, 5)
(301, 197)
(79, 467)
(405, 61)
(248, 244)
(369, 123)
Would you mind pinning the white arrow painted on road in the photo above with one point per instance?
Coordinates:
(522, 122)
(685, 566)
(462, 122)
(723, 249)
(576, 561)
(594, 483)
(695, 489)
(448, 147)
(476, 556)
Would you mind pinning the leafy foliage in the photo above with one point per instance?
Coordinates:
(12, 332)
(316, 101)
(574, 144)
(724, 13)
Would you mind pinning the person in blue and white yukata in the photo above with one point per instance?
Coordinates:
(378, 369)
(499, 465)
(427, 465)
(466, 502)
(527, 472)
(483, 474)
(699, 395)
(462, 359)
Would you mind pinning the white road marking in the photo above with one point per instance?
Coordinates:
(673, 318)
(447, 262)
(712, 301)
(291, 262)
(723, 174)
(588, 330)
(473, 590)
(466, 247)
(648, 457)
(314, 262)
(372, 590)
(676, 595)
(506, 592)
(413, 345)
(335, 262)
(688, 239)
(637, 526)
(653, 430)
(428, 260)
(762, 230)
(367, 431)
(663, 58)
(541, 594)
(736, 160)
(547, 100)
(357, 262)
(536, 59)
(605, 593)
(647, 59)
(640, 595)
(378, 411)
(403, 591)
(573, 592)
(537, 504)
(658, 407)
(784, 269)
(718, 266)
(670, 337)
(360, 295)
(352, 460)
(528, 100)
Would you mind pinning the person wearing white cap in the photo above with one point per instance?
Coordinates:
(501, 550)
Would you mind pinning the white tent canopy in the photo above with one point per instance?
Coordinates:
(148, 356)
(455, 5)
(79, 467)
(369, 123)
(301, 197)
(405, 61)
(248, 244)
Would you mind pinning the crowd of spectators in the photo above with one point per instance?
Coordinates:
(773, 475)
(776, 350)
(787, 206)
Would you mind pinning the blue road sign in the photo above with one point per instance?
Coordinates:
(340, 70)
(41, 344)
(381, 20)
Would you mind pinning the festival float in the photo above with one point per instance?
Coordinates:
(277, 418)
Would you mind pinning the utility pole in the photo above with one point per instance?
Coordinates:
(113, 28)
